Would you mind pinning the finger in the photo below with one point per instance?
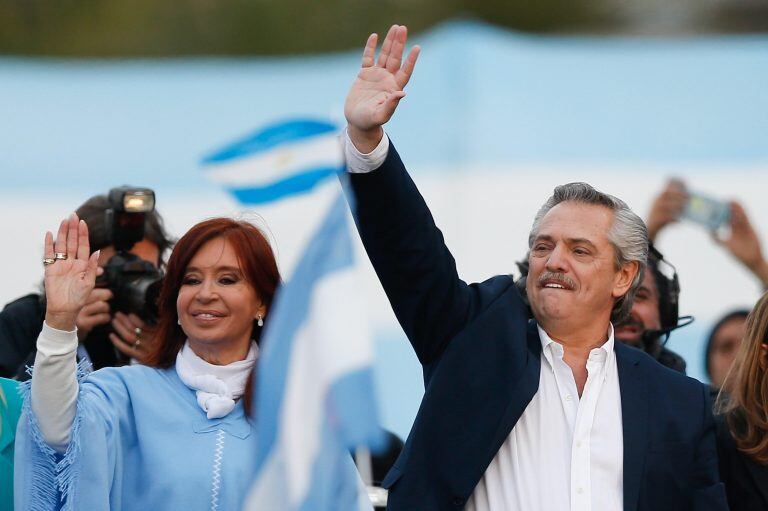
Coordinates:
(124, 330)
(136, 321)
(89, 322)
(125, 348)
(83, 246)
(48, 245)
(404, 75)
(93, 265)
(398, 46)
(370, 50)
(738, 215)
(100, 294)
(72, 235)
(386, 47)
(61, 237)
(395, 97)
(97, 307)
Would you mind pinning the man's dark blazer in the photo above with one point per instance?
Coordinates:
(746, 481)
(481, 362)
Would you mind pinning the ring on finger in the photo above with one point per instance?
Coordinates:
(137, 344)
(138, 332)
(47, 261)
(60, 256)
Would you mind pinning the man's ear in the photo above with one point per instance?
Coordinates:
(624, 278)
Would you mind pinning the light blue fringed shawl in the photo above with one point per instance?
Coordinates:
(139, 442)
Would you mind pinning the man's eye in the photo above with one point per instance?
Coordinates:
(580, 251)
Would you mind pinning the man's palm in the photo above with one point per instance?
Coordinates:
(379, 85)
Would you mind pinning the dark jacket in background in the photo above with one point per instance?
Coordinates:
(746, 481)
(20, 324)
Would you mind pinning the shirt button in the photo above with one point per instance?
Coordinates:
(578, 444)
(568, 397)
(458, 501)
(579, 490)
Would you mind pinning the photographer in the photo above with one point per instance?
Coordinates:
(108, 335)
(654, 313)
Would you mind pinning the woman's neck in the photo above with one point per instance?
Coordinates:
(221, 354)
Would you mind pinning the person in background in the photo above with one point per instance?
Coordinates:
(10, 410)
(168, 435)
(742, 425)
(654, 313)
(107, 338)
(722, 346)
(742, 243)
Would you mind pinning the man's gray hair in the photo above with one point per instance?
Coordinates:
(628, 234)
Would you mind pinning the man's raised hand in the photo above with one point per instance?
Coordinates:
(378, 88)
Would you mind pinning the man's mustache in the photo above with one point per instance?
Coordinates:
(564, 280)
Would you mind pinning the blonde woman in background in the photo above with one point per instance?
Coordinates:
(742, 426)
(10, 410)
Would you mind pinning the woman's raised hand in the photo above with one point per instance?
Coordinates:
(70, 273)
(379, 85)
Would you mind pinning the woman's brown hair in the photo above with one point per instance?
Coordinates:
(257, 261)
(746, 406)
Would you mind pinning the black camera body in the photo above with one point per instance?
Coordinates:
(134, 282)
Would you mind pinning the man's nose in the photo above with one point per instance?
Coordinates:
(557, 262)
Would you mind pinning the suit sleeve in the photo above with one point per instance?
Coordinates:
(708, 492)
(409, 255)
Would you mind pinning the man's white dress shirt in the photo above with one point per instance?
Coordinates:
(565, 452)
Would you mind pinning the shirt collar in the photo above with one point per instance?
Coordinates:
(556, 347)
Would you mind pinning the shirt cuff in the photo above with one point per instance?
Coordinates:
(53, 342)
(359, 163)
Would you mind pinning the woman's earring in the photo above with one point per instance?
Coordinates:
(178, 321)
(260, 320)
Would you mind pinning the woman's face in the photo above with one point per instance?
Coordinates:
(216, 304)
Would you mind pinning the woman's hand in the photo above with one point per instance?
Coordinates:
(71, 277)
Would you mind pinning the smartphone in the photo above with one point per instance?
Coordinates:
(711, 213)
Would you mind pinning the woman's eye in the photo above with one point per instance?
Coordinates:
(227, 280)
(189, 281)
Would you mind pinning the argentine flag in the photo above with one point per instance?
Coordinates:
(286, 158)
(314, 398)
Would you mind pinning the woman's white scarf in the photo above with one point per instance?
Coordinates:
(217, 387)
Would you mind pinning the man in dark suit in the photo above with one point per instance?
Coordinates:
(550, 414)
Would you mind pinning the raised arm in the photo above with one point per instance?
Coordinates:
(70, 275)
(403, 243)
(744, 245)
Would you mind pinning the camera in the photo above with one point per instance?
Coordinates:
(134, 282)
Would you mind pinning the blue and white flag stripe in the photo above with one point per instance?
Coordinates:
(284, 159)
(315, 397)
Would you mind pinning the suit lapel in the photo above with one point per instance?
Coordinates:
(525, 389)
(634, 418)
